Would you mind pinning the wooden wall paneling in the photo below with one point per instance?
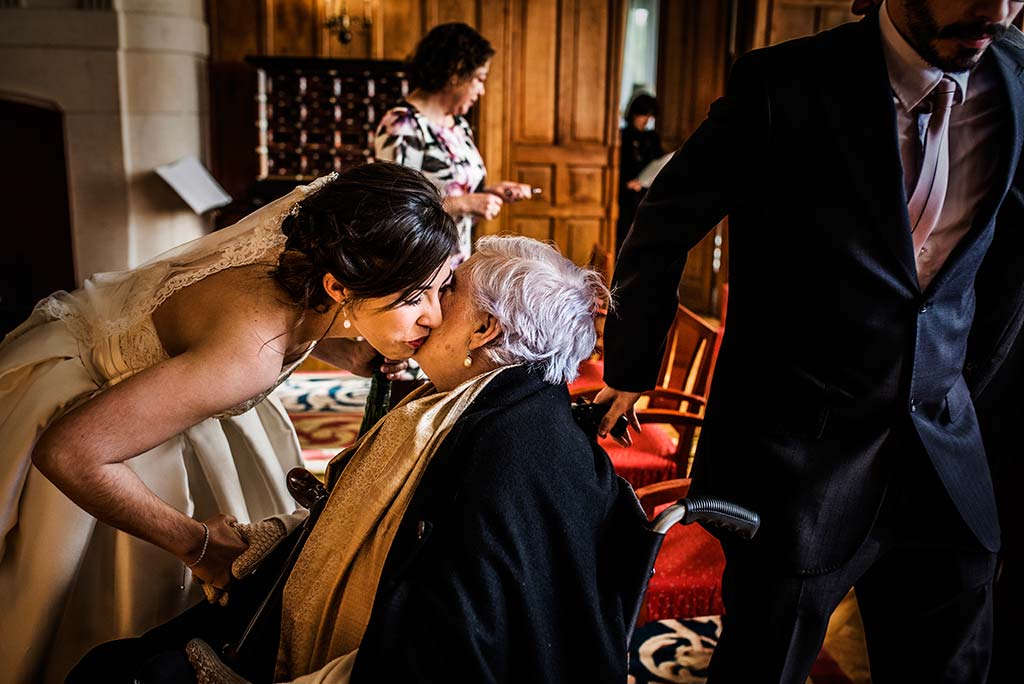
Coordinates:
(586, 184)
(590, 73)
(565, 72)
(402, 25)
(616, 42)
(693, 60)
(581, 234)
(790, 19)
(494, 123)
(365, 39)
(237, 28)
(293, 29)
(538, 228)
(538, 176)
(535, 62)
(675, 73)
(444, 11)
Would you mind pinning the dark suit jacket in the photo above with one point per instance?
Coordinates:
(507, 567)
(831, 344)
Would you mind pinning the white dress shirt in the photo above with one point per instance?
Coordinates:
(977, 118)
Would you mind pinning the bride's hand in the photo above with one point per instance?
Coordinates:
(223, 547)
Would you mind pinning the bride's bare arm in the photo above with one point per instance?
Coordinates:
(84, 452)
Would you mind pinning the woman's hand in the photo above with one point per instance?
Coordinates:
(357, 357)
(634, 185)
(223, 547)
(482, 204)
(511, 192)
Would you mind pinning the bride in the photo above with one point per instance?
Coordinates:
(473, 534)
(135, 422)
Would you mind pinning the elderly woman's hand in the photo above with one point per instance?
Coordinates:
(357, 357)
(482, 204)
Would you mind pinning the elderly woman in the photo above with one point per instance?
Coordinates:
(429, 132)
(474, 532)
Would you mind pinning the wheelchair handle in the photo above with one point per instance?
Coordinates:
(711, 511)
(305, 488)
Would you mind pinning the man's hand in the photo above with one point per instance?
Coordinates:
(621, 405)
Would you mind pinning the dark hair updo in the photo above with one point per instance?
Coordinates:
(379, 229)
(448, 50)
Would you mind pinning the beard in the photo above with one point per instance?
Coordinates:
(925, 33)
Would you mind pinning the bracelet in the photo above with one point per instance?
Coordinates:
(206, 542)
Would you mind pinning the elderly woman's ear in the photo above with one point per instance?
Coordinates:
(488, 329)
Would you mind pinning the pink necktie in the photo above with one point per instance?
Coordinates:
(925, 204)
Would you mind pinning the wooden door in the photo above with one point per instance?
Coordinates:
(694, 55)
(558, 95)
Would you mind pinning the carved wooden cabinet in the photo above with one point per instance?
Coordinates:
(318, 115)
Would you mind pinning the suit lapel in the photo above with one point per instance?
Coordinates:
(1011, 70)
(858, 102)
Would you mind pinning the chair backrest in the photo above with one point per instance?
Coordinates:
(691, 351)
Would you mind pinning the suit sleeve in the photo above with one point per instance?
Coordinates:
(702, 183)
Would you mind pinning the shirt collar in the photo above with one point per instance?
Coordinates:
(911, 77)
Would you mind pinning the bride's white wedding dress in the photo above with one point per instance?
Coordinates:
(68, 582)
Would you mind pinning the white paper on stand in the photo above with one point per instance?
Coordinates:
(647, 175)
(194, 184)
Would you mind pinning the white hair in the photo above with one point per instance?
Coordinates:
(546, 304)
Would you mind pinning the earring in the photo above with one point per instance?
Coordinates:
(346, 323)
(468, 361)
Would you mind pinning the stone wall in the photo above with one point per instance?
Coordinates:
(130, 77)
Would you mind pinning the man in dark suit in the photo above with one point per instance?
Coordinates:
(872, 179)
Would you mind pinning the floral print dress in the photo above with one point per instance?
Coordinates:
(446, 155)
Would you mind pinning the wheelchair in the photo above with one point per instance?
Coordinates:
(253, 612)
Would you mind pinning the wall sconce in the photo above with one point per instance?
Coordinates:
(342, 23)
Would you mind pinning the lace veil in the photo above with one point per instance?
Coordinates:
(112, 303)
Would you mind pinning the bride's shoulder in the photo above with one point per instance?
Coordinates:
(240, 307)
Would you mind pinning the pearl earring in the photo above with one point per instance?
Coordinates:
(468, 361)
(346, 323)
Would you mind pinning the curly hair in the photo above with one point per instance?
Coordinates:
(379, 229)
(448, 50)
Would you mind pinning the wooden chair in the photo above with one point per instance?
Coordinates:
(673, 412)
(687, 580)
(591, 371)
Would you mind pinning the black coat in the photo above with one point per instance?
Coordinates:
(507, 567)
(639, 148)
(831, 346)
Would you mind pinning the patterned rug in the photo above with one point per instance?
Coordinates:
(323, 392)
(678, 652)
(326, 408)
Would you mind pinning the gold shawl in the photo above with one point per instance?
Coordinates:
(330, 592)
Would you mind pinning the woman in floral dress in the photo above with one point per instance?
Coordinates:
(429, 132)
